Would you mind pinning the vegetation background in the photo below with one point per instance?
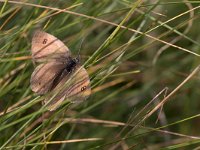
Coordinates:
(143, 61)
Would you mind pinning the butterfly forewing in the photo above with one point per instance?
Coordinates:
(46, 47)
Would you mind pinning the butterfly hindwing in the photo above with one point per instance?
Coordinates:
(43, 76)
(74, 87)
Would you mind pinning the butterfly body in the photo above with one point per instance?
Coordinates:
(71, 64)
(57, 73)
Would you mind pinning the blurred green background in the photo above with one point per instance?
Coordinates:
(136, 54)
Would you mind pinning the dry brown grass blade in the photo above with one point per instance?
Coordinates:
(172, 93)
(57, 142)
(9, 18)
(159, 105)
(114, 24)
(190, 22)
(107, 85)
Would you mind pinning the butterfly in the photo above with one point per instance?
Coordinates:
(58, 75)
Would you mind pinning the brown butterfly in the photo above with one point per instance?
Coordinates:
(57, 74)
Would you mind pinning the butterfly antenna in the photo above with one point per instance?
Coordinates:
(79, 56)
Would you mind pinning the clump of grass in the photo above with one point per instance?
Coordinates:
(143, 63)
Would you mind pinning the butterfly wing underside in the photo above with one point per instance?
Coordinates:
(53, 57)
(46, 46)
(74, 87)
(44, 75)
